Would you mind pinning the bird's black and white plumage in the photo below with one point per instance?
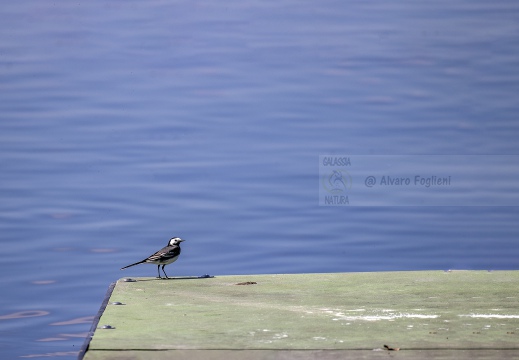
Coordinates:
(164, 256)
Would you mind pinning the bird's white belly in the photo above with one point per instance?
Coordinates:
(170, 260)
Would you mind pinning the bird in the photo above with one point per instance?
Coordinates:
(164, 256)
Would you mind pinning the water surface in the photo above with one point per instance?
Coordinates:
(123, 124)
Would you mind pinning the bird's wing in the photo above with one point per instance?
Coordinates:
(165, 253)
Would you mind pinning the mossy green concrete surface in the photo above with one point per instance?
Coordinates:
(326, 314)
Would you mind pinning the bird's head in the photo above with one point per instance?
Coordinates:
(175, 241)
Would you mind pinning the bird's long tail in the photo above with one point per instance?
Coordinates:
(137, 263)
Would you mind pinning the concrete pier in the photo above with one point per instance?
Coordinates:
(415, 314)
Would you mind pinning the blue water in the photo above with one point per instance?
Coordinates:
(125, 123)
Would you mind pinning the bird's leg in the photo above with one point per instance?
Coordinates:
(164, 271)
(158, 270)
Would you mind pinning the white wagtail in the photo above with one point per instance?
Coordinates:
(164, 256)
